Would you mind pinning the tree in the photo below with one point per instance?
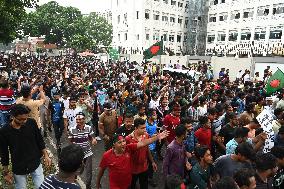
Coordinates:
(11, 14)
(66, 26)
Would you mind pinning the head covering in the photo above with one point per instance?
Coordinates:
(80, 115)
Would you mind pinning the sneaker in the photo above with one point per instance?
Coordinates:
(98, 138)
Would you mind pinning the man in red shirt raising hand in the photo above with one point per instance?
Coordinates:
(171, 121)
(118, 160)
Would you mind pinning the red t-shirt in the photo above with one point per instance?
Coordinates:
(119, 167)
(203, 136)
(139, 158)
(6, 99)
(170, 123)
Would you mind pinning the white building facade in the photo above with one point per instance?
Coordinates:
(245, 27)
(137, 24)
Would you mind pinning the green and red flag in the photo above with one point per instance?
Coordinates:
(154, 50)
(275, 82)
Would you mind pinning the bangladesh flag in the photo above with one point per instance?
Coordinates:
(113, 53)
(275, 82)
(154, 50)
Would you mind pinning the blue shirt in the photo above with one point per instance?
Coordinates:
(190, 142)
(151, 130)
(232, 145)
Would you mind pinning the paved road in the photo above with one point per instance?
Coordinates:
(98, 151)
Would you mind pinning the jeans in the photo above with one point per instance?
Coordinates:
(58, 129)
(4, 118)
(88, 172)
(143, 180)
(37, 176)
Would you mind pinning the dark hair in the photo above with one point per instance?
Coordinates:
(185, 120)
(200, 151)
(70, 158)
(245, 149)
(277, 112)
(140, 106)
(107, 105)
(278, 152)
(265, 161)
(173, 181)
(230, 115)
(138, 121)
(25, 91)
(242, 177)
(150, 112)
(203, 120)
(180, 130)
(241, 132)
(4, 83)
(19, 109)
(128, 115)
(211, 111)
(225, 183)
(249, 107)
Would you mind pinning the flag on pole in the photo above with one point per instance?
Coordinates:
(113, 53)
(154, 50)
(275, 82)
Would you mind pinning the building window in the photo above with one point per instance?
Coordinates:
(156, 17)
(125, 36)
(180, 4)
(246, 14)
(210, 38)
(118, 37)
(221, 18)
(233, 36)
(164, 18)
(245, 36)
(165, 37)
(172, 19)
(186, 23)
(118, 19)
(147, 36)
(266, 12)
(259, 35)
(137, 37)
(215, 2)
(137, 14)
(221, 37)
(147, 16)
(173, 2)
(171, 38)
(166, 1)
(212, 19)
(156, 37)
(278, 10)
(276, 34)
(179, 38)
(223, 1)
(179, 20)
(238, 15)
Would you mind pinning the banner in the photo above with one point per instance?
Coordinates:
(265, 119)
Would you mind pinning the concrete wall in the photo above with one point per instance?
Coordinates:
(231, 63)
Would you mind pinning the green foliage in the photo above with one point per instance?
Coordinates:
(11, 14)
(67, 27)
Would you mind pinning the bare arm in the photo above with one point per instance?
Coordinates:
(99, 177)
(146, 142)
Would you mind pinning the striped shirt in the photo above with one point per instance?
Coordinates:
(51, 182)
(6, 99)
(82, 137)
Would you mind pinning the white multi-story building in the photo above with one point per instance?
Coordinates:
(107, 14)
(137, 24)
(245, 27)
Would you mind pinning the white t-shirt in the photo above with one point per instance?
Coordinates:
(70, 114)
(246, 77)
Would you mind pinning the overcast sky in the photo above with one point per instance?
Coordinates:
(86, 6)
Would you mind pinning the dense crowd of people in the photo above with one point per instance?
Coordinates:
(204, 131)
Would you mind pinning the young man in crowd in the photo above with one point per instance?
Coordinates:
(71, 165)
(176, 160)
(108, 124)
(118, 160)
(266, 168)
(204, 133)
(245, 178)
(83, 135)
(201, 173)
(278, 180)
(69, 115)
(22, 140)
(6, 101)
(171, 121)
(126, 128)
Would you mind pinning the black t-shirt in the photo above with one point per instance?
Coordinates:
(122, 130)
(227, 132)
(278, 180)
